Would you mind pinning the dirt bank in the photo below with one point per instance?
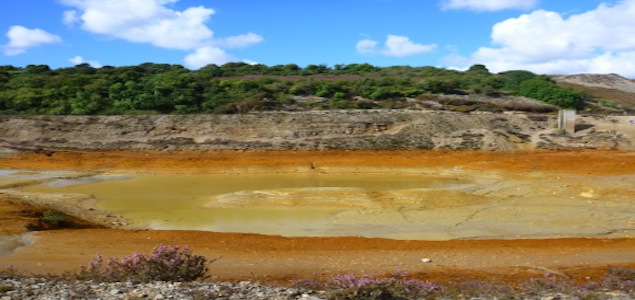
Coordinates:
(584, 163)
(315, 130)
(279, 258)
(259, 257)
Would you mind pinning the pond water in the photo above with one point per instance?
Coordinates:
(281, 204)
(430, 206)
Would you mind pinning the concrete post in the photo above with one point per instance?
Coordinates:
(566, 120)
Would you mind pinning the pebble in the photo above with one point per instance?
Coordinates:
(40, 288)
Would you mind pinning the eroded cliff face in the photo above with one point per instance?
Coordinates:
(357, 129)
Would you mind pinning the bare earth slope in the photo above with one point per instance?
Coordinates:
(607, 81)
(316, 130)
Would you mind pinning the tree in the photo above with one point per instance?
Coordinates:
(84, 68)
(478, 69)
(514, 78)
(37, 69)
(360, 69)
(315, 69)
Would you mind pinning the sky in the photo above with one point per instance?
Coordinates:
(542, 36)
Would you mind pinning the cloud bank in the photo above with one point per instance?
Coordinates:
(22, 38)
(395, 46)
(154, 22)
(597, 41)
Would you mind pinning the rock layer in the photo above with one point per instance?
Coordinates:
(314, 130)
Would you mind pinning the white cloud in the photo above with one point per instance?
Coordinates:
(489, 5)
(70, 17)
(395, 45)
(599, 40)
(251, 62)
(155, 22)
(144, 21)
(401, 46)
(207, 55)
(80, 60)
(366, 46)
(240, 41)
(22, 38)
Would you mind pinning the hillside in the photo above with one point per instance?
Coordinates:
(611, 91)
(357, 106)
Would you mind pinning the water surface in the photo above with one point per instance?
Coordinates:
(283, 204)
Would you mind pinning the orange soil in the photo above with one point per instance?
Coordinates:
(573, 162)
(274, 258)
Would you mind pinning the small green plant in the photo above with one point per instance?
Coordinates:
(165, 263)
(53, 217)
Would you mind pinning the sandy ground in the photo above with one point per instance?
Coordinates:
(275, 258)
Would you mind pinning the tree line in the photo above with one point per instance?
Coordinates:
(151, 88)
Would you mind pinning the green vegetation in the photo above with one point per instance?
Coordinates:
(239, 87)
(53, 217)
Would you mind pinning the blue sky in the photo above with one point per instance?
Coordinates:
(543, 36)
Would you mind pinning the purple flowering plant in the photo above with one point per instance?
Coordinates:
(165, 263)
(353, 287)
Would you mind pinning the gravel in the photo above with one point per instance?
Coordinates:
(52, 289)
(49, 289)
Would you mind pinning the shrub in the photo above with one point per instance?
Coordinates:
(476, 290)
(352, 287)
(622, 279)
(53, 217)
(544, 89)
(166, 263)
(554, 286)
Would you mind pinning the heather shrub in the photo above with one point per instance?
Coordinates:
(553, 285)
(472, 289)
(165, 263)
(617, 281)
(352, 287)
(620, 279)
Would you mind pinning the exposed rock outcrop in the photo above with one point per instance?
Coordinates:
(350, 129)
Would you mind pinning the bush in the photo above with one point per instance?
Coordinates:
(352, 287)
(53, 217)
(544, 89)
(621, 279)
(166, 263)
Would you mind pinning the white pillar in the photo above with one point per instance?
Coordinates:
(566, 120)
